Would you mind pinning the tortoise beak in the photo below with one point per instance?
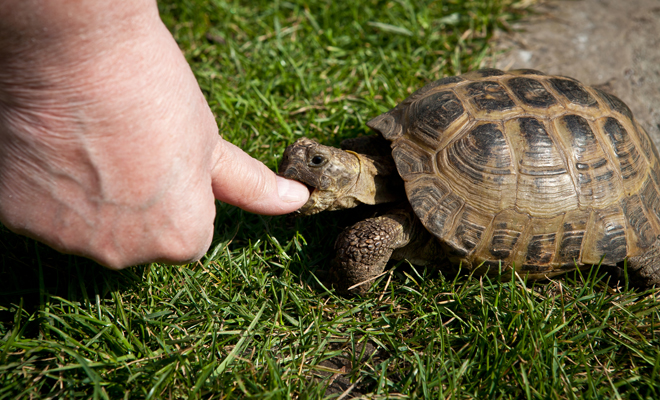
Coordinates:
(294, 164)
(293, 174)
(297, 165)
(291, 169)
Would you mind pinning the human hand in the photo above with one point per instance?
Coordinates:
(108, 148)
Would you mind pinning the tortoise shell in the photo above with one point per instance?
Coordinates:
(536, 171)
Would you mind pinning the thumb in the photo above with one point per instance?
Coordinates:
(240, 180)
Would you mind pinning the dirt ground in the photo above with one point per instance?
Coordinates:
(613, 44)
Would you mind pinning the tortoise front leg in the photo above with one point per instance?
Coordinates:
(364, 249)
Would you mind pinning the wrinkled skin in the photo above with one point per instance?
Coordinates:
(108, 148)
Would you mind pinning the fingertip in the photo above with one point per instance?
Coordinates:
(245, 182)
(292, 192)
(287, 197)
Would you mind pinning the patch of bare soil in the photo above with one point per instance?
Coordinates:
(612, 44)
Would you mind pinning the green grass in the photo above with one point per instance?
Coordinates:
(253, 319)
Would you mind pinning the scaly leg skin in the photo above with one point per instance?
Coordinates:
(364, 249)
(644, 270)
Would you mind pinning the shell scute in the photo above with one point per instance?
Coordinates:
(592, 170)
(468, 231)
(386, 125)
(433, 199)
(434, 86)
(440, 219)
(615, 104)
(573, 92)
(531, 92)
(642, 233)
(571, 236)
(411, 160)
(432, 115)
(479, 167)
(508, 227)
(541, 242)
(426, 192)
(488, 100)
(544, 185)
(631, 164)
(605, 237)
(651, 201)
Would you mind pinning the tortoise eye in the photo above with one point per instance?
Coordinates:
(317, 161)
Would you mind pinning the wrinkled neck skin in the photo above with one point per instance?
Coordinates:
(363, 180)
(374, 182)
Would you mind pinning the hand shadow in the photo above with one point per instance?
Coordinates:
(31, 273)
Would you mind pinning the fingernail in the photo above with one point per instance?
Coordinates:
(291, 191)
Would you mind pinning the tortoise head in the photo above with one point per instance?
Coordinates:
(328, 172)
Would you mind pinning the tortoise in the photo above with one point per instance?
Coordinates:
(493, 171)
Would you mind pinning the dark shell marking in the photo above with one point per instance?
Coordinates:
(537, 171)
(570, 244)
(432, 115)
(573, 92)
(489, 96)
(630, 162)
(637, 221)
(531, 92)
(615, 104)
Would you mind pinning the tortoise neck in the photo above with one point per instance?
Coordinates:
(378, 181)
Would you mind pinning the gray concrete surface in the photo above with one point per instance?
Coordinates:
(612, 44)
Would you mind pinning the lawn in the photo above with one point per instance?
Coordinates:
(253, 318)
